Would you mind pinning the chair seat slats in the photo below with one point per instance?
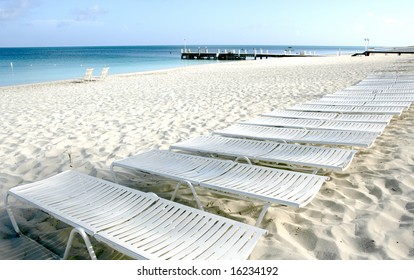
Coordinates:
(228, 177)
(137, 224)
(329, 137)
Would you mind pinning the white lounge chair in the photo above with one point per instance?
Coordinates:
(372, 91)
(370, 103)
(367, 98)
(369, 118)
(295, 135)
(88, 75)
(383, 86)
(380, 103)
(348, 109)
(102, 75)
(373, 96)
(375, 82)
(317, 124)
(386, 83)
(266, 185)
(266, 151)
(137, 224)
(301, 115)
(336, 103)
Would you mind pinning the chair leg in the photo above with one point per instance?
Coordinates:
(85, 237)
(175, 191)
(68, 246)
(245, 158)
(200, 206)
(11, 215)
(261, 216)
(113, 174)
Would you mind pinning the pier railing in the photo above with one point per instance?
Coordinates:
(203, 53)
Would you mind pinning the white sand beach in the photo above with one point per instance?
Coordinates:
(365, 212)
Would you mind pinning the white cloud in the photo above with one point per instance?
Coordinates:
(12, 9)
(125, 28)
(52, 22)
(360, 28)
(61, 23)
(393, 22)
(89, 14)
(370, 14)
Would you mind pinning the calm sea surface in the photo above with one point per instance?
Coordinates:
(34, 65)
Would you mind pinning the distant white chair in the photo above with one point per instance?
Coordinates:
(103, 74)
(88, 75)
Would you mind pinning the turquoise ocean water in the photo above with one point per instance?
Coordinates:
(34, 65)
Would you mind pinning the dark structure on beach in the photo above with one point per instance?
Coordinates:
(239, 55)
(398, 51)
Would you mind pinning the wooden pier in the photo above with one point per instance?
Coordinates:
(236, 55)
(397, 51)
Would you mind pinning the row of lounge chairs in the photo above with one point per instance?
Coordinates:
(143, 225)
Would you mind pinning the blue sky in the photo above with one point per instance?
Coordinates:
(198, 22)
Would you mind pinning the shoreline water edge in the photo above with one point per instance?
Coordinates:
(34, 65)
(364, 212)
